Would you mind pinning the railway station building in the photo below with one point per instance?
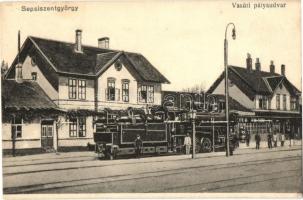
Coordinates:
(75, 84)
(275, 101)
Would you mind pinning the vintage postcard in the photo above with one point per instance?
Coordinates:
(151, 99)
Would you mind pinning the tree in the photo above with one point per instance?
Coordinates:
(197, 88)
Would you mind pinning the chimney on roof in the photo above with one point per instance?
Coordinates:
(78, 42)
(272, 67)
(283, 70)
(103, 42)
(258, 65)
(249, 62)
(18, 68)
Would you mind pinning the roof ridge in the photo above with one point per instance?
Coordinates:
(254, 70)
(83, 45)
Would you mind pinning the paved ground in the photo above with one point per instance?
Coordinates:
(249, 170)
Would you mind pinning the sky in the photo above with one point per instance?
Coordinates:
(182, 39)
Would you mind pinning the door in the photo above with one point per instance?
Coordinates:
(47, 135)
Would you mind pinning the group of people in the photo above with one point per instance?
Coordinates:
(272, 140)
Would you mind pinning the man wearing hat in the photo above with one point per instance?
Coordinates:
(138, 146)
(187, 144)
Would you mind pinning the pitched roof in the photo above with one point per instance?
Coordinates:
(28, 95)
(252, 82)
(233, 104)
(62, 57)
(274, 81)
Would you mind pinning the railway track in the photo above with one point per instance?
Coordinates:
(40, 188)
(90, 158)
(227, 183)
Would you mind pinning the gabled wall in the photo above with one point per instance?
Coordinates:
(280, 91)
(28, 68)
(111, 72)
(236, 94)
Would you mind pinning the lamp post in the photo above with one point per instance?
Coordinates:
(226, 82)
(192, 117)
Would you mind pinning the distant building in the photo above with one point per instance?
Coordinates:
(80, 81)
(271, 96)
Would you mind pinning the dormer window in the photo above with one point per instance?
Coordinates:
(34, 76)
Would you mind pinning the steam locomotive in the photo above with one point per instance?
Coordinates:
(160, 134)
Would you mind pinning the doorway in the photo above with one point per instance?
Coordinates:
(47, 134)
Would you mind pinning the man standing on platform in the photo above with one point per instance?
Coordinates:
(258, 139)
(187, 144)
(275, 139)
(282, 139)
(247, 138)
(138, 146)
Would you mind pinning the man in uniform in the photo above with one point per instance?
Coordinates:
(187, 144)
(138, 146)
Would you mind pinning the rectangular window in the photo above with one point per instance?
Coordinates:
(142, 92)
(278, 101)
(146, 93)
(293, 103)
(111, 89)
(125, 91)
(73, 127)
(151, 94)
(82, 126)
(263, 102)
(81, 89)
(284, 102)
(77, 127)
(34, 76)
(72, 88)
(17, 127)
